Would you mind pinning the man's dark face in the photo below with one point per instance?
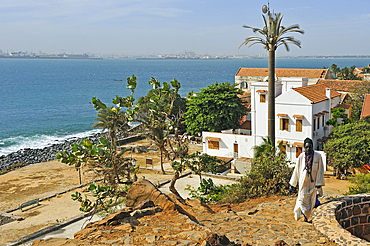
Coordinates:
(308, 148)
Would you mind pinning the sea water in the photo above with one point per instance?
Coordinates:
(45, 101)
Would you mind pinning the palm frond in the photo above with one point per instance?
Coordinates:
(273, 33)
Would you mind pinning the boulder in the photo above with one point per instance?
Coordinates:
(143, 190)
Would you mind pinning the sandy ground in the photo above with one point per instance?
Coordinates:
(43, 179)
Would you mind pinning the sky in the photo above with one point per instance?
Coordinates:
(144, 27)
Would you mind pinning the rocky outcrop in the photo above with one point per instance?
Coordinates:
(143, 190)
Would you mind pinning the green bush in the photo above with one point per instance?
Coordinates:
(361, 184)
(270, 175)
(207, 191)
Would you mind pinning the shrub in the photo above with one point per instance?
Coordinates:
(361, 185)
(207, 191)
(270, 175)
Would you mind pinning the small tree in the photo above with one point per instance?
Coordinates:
(199, 163)
(214, 108)
(338, 115)
(349, 145)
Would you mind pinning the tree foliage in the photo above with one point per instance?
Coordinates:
(349, 145)
(358, 97)
(344, 73)
(199, 163)
(334, 69)
(365, 69)
(105, 159)
(214, 108)
(361, 184)
(338, 117)
(273, 33)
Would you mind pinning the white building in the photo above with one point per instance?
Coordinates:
(246, 76)
(301, 111)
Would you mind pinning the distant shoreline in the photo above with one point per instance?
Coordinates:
(186, 58)
(50, 57)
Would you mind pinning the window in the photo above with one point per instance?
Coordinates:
(298, 151)
(244, 85)
(314, 124)
(298, 125)
(213, 145)
(318, 122)
(262, 98)
(283, 148)
(284, 124)
(323, 120)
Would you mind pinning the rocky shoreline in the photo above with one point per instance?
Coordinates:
(32, 156)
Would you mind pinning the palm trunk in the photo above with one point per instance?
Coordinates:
(271, 96)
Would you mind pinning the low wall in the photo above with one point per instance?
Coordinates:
(345, 220)
(6, 218)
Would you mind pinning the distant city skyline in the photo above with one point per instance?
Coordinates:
(143, 27)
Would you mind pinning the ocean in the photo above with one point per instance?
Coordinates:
(46, 101)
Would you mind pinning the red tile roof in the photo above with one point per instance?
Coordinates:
(315, 93)
(283, 72)
(366, 107)
(340, 85)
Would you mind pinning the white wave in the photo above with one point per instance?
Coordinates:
(38, 141)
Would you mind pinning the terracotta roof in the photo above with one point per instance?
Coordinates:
(366, 107)
(246, 125)
(283, 72)
(282, 115)
(340, 85)
(246, 98)
(284, 142)
(345, 106)
(298, 116)
(213, 138)
(298, 144)
(261, 91)
(315, 93)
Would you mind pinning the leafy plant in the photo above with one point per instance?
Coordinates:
(349, 145)
(199, 163)
(361, 185)
(207, 191)
(338, 114)
(105, 196)
(214, 108)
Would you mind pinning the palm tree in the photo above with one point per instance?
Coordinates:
(267, 148)
(273, 36)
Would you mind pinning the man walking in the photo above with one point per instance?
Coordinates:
(309, 175)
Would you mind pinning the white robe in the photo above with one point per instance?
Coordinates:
(306, 189)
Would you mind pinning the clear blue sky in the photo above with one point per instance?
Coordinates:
(332, 27)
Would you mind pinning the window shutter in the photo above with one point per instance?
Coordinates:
(323, 120)
(287, 124)
(281, 124)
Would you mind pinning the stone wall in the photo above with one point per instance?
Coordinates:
(345, 220)
(353, 215)
(7, 218)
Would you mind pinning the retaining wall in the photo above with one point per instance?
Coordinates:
(345, 220)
